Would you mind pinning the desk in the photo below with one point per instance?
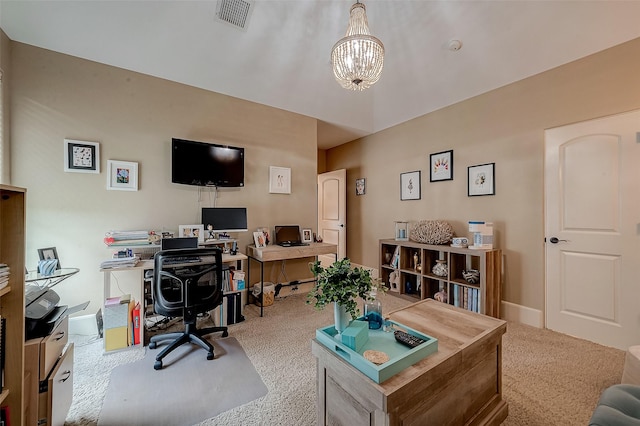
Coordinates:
(273, 253)
(48, 281)
(461, 384)
(147, 265)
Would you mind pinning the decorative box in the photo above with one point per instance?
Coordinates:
(356, 335)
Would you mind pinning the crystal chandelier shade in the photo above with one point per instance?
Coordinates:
(358, 57)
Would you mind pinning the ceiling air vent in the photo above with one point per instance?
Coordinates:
(234, 12)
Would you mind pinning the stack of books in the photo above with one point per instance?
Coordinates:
(120, 262)
(126, 238)
(4, 275)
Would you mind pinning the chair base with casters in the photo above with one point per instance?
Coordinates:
(190, 335)
(187, 282)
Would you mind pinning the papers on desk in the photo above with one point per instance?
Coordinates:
(120, 262)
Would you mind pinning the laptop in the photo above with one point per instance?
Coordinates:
(288, 236)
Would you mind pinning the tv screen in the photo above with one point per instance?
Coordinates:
(206, 164)
(225, 219)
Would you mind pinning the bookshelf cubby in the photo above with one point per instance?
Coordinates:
(415, 280)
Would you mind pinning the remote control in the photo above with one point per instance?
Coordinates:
(408, 339)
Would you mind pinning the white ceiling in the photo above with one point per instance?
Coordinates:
(282, 59)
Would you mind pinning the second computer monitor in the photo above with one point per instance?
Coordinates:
(225, 219)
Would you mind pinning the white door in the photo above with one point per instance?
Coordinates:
(332, 212)
(592, 220)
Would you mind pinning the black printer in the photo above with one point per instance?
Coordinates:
(42, 312)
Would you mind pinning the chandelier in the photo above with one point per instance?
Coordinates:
(357, 58)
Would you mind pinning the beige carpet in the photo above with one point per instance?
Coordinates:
(548, 378)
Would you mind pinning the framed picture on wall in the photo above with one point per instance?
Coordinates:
(279, 180)
(360, 186)
(81, 156)
(122, 175)
(410, 186)
(441, 166)
(481, 180)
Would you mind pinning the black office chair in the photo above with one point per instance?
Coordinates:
(183, 289)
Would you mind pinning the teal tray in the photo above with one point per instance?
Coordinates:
(400, 356)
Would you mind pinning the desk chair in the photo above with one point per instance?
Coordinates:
(186, 290)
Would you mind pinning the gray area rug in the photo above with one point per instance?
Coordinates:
(188, 390)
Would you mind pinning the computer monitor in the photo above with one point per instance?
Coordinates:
(179, 243)
(225, 219)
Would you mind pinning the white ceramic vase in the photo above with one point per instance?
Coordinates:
(341, 317)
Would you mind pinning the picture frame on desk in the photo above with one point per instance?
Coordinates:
(259, 239)
(307, 236)
(49, 253)
(192, 231)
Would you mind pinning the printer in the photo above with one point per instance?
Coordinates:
(42, 312)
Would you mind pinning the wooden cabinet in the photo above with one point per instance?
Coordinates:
(407, 268)
(49, 377)
(12, 249)
(460, 384)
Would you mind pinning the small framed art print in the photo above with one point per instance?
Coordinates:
(360, 186)
(441, 166)
(481, 180)
(81, 156)
(279, 180)
(410, 185)
(122, 175)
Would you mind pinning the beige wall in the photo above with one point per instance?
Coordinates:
(134, 117)
(505, 126)
(5, 149)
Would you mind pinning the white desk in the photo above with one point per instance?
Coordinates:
(147, 265)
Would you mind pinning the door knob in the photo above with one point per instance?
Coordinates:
(555, 240)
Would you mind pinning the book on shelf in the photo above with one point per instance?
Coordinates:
(3, 338)
(395, 260)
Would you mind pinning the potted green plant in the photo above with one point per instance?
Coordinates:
(340, 284)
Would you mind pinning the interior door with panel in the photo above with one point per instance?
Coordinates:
(592, 221)
(332, 212)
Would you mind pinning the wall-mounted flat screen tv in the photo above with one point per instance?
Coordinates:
(206, 164)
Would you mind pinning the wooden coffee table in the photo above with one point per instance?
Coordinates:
(461, 384)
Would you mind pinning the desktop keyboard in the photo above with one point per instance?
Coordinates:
(182, 259)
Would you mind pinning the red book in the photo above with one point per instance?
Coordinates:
(136, 324)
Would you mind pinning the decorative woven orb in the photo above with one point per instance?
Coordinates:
(431, 232)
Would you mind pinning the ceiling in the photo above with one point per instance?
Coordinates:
(282, 57)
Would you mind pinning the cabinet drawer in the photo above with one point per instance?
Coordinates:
(60, 389)
(52, 347)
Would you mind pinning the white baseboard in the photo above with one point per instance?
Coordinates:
(84, 325)
(522, 314)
